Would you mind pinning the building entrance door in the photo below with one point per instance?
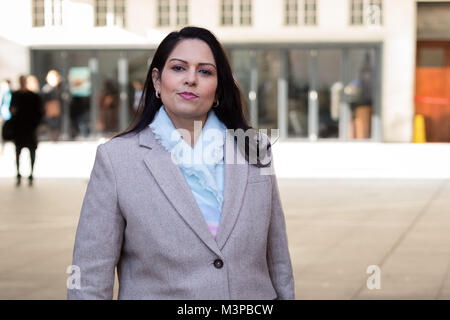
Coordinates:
(432, 98)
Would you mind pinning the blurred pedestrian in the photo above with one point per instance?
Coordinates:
(5, 101)
(51, 96)
(26, 108)
(79, 116)
(109, 105)
(80, 88)
(32, 83)
(138, 86)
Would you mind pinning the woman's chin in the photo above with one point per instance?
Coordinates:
(189, 111)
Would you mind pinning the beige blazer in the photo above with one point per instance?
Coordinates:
(140, 216)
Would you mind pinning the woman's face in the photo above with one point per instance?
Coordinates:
(188, 82)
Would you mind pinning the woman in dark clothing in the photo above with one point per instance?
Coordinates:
(108, 105)
(51, 98)
(26, 108)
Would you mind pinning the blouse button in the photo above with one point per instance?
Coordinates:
(218, 263)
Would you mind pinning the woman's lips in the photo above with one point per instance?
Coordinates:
(187, 95)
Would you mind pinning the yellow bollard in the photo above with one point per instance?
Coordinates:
(419, 129)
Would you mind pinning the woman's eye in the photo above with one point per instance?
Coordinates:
(204, 71)
(177, 68)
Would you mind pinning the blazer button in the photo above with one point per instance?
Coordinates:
(218, 263)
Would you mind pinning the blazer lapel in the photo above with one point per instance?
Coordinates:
(236, 172)
(172, 182)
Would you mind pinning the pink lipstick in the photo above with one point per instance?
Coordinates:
(187, 95)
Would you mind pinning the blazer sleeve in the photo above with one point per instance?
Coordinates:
(278, 257)
(99, 234)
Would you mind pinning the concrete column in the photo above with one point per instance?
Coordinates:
(399, 52)
(253, 94)
(313, 100)
(93, 112)
(283, 96)
(65, 96)
(122, 66)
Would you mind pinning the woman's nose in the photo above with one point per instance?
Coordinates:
(191, 77)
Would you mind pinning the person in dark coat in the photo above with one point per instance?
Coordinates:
(108, 106)
(26, 108)
(51, 98)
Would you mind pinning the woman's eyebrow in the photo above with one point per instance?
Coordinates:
(200, 64)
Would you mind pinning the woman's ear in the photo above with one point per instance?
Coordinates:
(156, 78)
(217, 95)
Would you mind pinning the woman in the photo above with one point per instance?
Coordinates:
(108, 107)
(26, 109)
(163, 205)
(51, 95)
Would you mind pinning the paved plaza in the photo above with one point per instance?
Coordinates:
(337, 228)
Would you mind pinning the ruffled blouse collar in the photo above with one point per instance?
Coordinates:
(200, 161)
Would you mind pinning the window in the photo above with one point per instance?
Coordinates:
(110, 13)
(182, 12)
(101, 9)
(38, 13)
(309, 18)
(246, 12)
(119, 13)
(366, 12)
(357, 7)
(235, 12)
(163, 13)
(290, 12)
(171, 12)
(300, 11)
(47, 13)
(227, 12)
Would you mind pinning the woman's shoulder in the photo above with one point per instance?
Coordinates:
(122, 143)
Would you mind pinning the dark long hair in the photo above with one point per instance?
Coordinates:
(231, 106)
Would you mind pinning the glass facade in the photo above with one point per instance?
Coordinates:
(268, 64)
(307, 92)
(298, 80)
(329, 71)
(100, 88)
(244, 73)
(323, 92)
(360, 92)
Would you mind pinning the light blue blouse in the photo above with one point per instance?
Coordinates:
(202, 166)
